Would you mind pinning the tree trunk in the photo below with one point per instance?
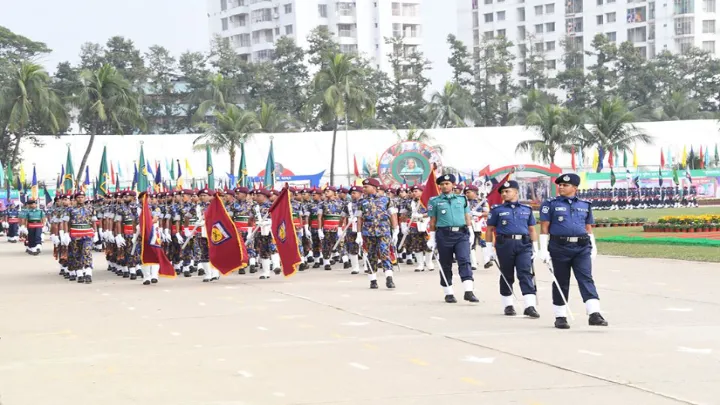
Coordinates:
(232, 160)
(16, 150)
(84, 159)
(332, 153)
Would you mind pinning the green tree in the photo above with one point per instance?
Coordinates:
(321, 45)
(503, 70)
(271, 120)
(15, 49)
(160, 109)
(532, 67)
(91, 56)
(107, 106)
(611, 126)
(195, 77)
(337, 94)
(451, 107)
(217, 95)
(127, 60)
(530, 103)
(572, 78)
(459, 61)
(231, 128)
(291, 76)
(486, 97)
(601, 77)
(636, 83)
(408, 83)
(553, 129)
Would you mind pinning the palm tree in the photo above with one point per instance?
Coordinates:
(554, 127)
(232, 128)
(680, 107)
(612, 128)
(534, 100)
(271, 121)
(415, 134)
(26, 96)
(450, 107)
(218, 94)
(338, 94)
(107, 105)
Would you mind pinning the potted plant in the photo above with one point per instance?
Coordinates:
(713, 227)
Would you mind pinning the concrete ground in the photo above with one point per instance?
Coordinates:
(323, 337)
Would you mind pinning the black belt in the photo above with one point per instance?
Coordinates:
(516, 237)
(454, 228)
(570, 239)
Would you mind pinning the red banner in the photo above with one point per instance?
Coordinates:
(151, 252)
(431, 189)
(225, 246)
(494, 197)
(283, 231)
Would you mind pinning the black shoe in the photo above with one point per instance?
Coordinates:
(597, 320)
(488, 265)
(310, 259)
(72, 278)
(419, 270)
(133, 277)
(193, 269)
(367, 272)
(178, 272)
(81, 279)
(215, 279)
(187, 274)
(510, 311)
(473, 268)
(139, 273)
(389, 282)
(409, 262)
(201, 272)
(317, 265)
(373, 284)
(206, 280)
(531, 312)
(146, 282)
(253, 269)
(120, 273)
(66, 275)
(470, 296)
(62, 272)
(347, 265)
(328, 267)
(262, 277)
(241, 271)
(277, 270)
(88, 279)
(126, 275)
(450, 299)
(303, 267)
(355, 272)
(154, 281)
(562, 323)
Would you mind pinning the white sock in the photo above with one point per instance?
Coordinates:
(266, 263)
(530, 300)
(355, 262)
(592, 305)
(88, 271)
(468, 285)
(420, 257)
(448, 290)
(206, 267)
(146, 272)
(560, 311)
(429, 261)
(275, 260)
(372, 276)
(507, 301)
(388, 273)
(154, 271)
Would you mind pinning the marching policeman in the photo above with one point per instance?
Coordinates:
(451, 231)
(567, 242)
(515, 246)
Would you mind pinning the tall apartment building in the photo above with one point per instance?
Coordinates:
(652, 26)
(359, 26)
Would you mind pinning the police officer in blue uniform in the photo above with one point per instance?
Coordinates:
(567, 241)
(515, 245)
(451, 231)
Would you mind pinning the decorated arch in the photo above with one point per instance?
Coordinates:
(551, 171)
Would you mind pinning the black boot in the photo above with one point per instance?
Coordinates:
(126, 275)
(450, 299)
(510, 310)
(133, 277)
(488, 265)
(139, 273)
(72, 278)
(81, 279)
(409, 262)
(470, 296)
(373, 284)
(187, 274)
(347, 265)
(241, 271)
(597, 320)
(531, 312)
(146, 282)
(562, 323)
(277, 270)
(201, 272)
(253, 269)
(389, 282)
(154, 280)
(88, 279)
(328, 267)
(317, 265)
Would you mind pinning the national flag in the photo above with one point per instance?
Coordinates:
(611, 160)
(135, 178)
(180, 180)
(687, 175)
(86, 183)
(625, 159)
(225, 246)
(59, 185)
(171, 170)
(141, 172)
(210, 169)
(104, 179)
(596, 160)
(683, 159)
(34, 185)
(355, 166)
(662, 159)
(636, 180)
(151, 251)
(676, 179)
(284, 234)
(269, 180)
(613, 179)
(366, 170)
(150, 174)
(494, 198)
(431, 189)
(242, 178)
(22, 174)
(158, 178)
(668, 159)
(572, 158)
(188, 169)
(69, 176)
(48, 198)
(702, 158)
(660, 176)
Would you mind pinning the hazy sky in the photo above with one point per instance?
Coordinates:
(178, 25)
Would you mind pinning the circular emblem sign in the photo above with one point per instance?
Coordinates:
(408, 163)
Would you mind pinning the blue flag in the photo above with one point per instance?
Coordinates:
(269, 180)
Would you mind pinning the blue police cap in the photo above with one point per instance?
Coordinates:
(446, 177)
(509, 184)
(568, 178)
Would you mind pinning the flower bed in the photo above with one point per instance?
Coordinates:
(685, 223)
(615, 222)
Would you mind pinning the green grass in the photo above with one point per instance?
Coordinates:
(655, 214)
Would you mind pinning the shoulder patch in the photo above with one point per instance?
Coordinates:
(545, 209)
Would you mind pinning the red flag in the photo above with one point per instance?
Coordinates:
(610, 159)
(494, 197)
(572, 157)
(112, 173)
(702, 159)
(431, 189)
(283, 231)
(225, 246)
(357, 172)
(662, 158)
(151, 251)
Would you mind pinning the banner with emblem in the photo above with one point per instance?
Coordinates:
(151, 251)
(494, 198)
(225, 246)
(283, 231)
(431, 189)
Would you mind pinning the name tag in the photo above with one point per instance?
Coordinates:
(582, 209)
(560, 209)
(502, 214)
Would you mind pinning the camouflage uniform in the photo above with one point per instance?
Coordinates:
(263, 238)
(240, 212)
(81, 220)
(313, 211)
(350, 213)
(376, 212)
(331, 212)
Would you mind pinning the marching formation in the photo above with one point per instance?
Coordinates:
(641, 198)
(363, 228)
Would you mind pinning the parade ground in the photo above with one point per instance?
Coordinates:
(323, 337)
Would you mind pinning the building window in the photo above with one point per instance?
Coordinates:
(322, 10)
(397, 30)
(638, 34)
(521, 14)
(224, 23)
(687, 6)
(549, 8)
(277, 31)
(488, 17)
(501, 33)
(708, 46)
(611, 36)
(550, 27)
(610, 17)
(609, 1)
(599, 19)
(346, 9)
(599, 2)
(538, 10)
(488, 1)
(396, 9)
(538, 28)
(223, 5)
(346, 30)
(521, 33)
(501, 16)
(538, 46)
(550, 46)
(709, 6)
(352, 48)
(488, 35)
(635, 15)
(684, 26)
(550, 64)
(288, 8)
(261, 15)
(476, 20)
(288, 30)
(708, 26)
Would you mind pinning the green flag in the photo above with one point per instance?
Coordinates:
(242, 171)
(9, 178)
(612, 178)
(269, 180)
(104, 181)
(717, 157)
(69, 178)
(625, 159)
(675, 176)
(210, 169)
(2, 177)
(142, 178)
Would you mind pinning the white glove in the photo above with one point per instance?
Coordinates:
(472, 238)
(55, 239)
(188, 233)
(340, 233)
(307, 229)
(359, 239)
(491, 252)
(301, 232)
(108, 236)
(353, 220)
(66, 239)
(593, 251)
(5, 225)
(417, 216)
(395, 233)
(96, 238)
(120, 241)
(23, 230)
(544, 255)
(536, 248)
(134, 239)
(431, 243)
(321, 235)
(42, 237)
(179, 238)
